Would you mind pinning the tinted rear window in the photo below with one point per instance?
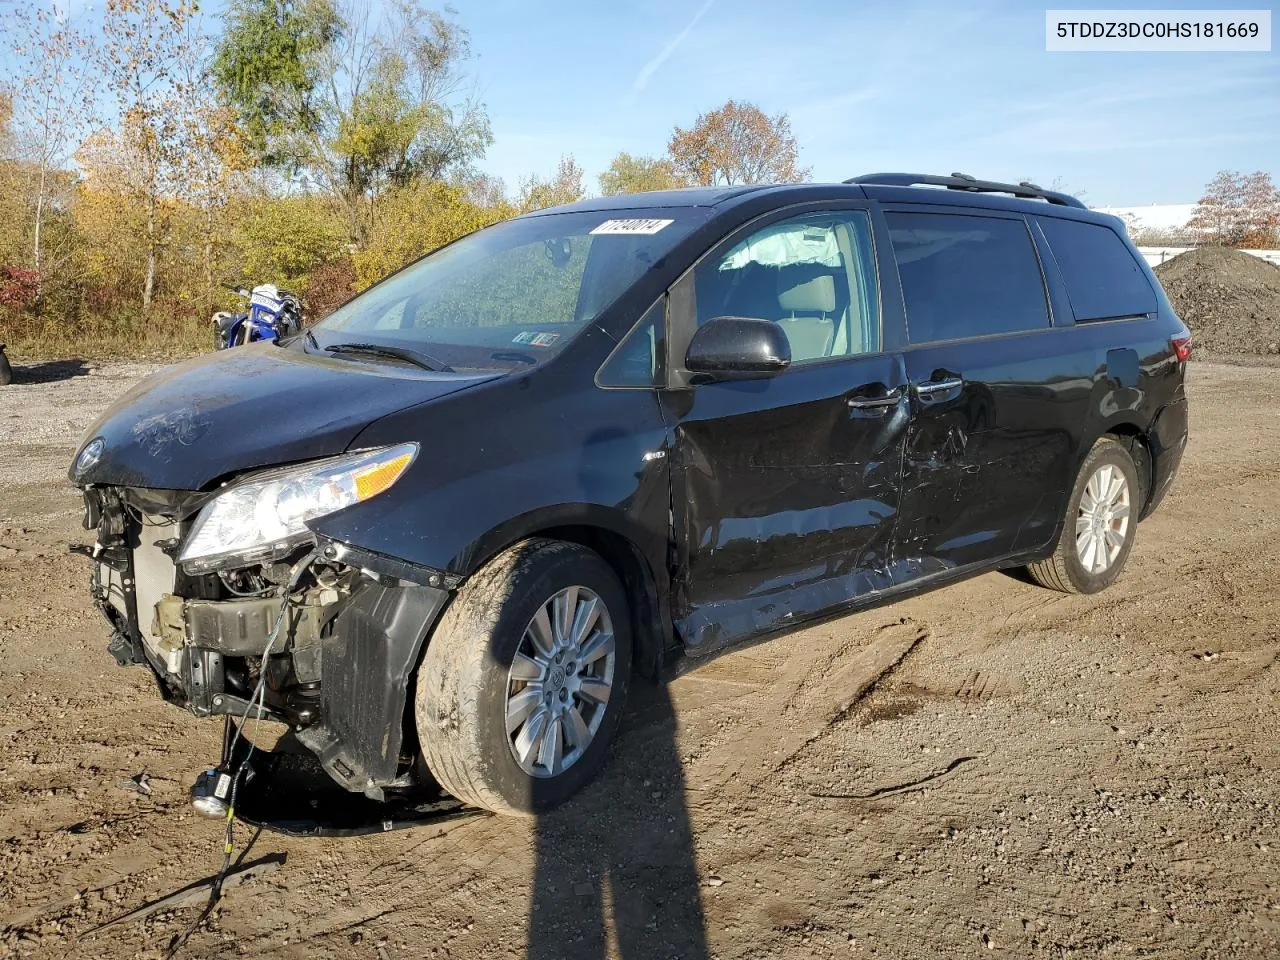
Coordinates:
(1103, 278)
(966, 276)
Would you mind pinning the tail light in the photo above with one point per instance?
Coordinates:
(1181, 348)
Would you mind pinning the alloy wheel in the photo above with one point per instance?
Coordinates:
(559, 683)
(1102, 520)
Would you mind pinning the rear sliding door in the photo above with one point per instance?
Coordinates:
(997, 404)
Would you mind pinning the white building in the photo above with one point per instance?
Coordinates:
(1158, 217)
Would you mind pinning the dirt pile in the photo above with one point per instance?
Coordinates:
(1229, 299)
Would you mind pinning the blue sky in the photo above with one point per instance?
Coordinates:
(918, 87)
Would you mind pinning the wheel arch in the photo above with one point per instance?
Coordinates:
(1134, 439)
(621, 543)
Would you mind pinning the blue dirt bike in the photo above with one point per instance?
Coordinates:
(272, 314)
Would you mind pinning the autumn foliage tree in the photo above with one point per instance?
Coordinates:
(736, 144)
(1239, 210)
(50, 98)
(564, 186)
(145, 43)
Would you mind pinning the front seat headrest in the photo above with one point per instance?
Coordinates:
(813, 296)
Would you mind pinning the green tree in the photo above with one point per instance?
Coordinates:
(628, 174)
(356, 110)
(414, 220)
(270, 66)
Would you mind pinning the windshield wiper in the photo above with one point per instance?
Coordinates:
(514, 356)
(418, 359)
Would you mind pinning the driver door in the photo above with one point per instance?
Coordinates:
(786, 489)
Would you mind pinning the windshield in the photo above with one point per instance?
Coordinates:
(513, 294)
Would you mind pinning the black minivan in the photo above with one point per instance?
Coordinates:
(451, 521)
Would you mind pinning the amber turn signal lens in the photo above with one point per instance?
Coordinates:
(373, 481)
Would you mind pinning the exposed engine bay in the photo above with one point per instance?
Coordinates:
(323, 639)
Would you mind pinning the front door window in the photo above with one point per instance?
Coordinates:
(812, 274)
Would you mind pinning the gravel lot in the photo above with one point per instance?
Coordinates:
(987, 769)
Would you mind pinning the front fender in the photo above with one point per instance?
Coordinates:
(507, 461)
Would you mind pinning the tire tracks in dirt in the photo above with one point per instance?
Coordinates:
(807, 701)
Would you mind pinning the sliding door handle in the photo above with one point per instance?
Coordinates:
(930, 387)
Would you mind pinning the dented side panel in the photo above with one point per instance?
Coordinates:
(785, 496)
(989, 466)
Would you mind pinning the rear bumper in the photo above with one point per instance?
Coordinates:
(1168, 441)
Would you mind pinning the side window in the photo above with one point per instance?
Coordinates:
(640, 360)
(814, 275)
(1102, 277)
(966, 276)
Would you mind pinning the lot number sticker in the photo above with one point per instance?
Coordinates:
(632, 227)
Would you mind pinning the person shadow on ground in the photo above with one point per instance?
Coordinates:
(620, 855)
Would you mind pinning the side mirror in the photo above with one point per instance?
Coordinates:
(737, 348)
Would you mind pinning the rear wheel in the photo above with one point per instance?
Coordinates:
(522, 685)
(1099, 528)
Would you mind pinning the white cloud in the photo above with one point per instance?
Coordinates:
(649, 69)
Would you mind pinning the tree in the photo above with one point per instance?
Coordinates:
(1238, 210)
(628, 174)
(416, 219)
(352, 109)
(50, 98)
(736, 144)
(270, 66)
(146, 43)
(214, 158)
(565, 186)
(282, 241)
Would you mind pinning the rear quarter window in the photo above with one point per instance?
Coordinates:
(1103, 279)
(967, 276)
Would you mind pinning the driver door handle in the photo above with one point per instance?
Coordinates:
(890, 398)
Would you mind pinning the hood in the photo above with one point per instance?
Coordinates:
(256, 406)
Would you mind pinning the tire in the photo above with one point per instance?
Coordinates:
(6, 371)
(1079, 566)
(466, 684)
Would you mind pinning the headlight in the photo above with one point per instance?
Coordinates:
(264, 519)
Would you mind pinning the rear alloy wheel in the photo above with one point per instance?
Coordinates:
(1099, 528)
(522, 685)
(1102, 519)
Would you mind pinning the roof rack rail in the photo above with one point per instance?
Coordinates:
(963, 181)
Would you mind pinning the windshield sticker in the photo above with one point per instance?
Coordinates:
(534, 339)
(632, 227)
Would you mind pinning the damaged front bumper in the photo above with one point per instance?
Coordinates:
(340, 667)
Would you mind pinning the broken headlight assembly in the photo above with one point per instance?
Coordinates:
(264, 518)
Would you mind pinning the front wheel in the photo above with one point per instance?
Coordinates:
(522, 685)
(1099, 528)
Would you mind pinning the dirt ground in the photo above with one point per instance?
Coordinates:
(1230, 300)
(1105, 770)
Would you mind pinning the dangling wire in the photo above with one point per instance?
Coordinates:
(255, 706)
